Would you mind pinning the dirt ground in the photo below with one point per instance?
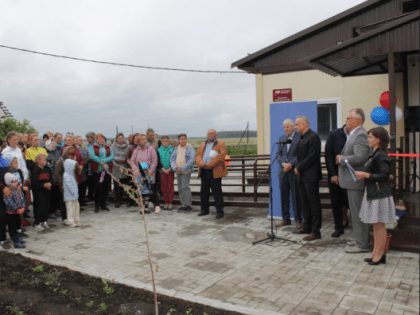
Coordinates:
(33, 287)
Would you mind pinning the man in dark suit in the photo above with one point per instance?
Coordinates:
(339, 201)
(287, 159)
(309, 171)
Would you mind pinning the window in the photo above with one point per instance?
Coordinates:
(327, 119)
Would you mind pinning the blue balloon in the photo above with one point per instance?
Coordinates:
(380, 116)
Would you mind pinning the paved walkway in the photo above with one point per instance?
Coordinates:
(213, 262)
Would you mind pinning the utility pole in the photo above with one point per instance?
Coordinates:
(247, 132)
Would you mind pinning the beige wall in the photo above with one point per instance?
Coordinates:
(361, 91)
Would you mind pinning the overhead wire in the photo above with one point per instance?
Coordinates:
(121, 64)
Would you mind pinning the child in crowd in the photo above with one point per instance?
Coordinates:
(71, 192)
(41, 187)
(28, 198)
(166, 174)
(13, 163)
(15, 206)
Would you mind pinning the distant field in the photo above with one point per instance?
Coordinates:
(227, 141)
(231, 143)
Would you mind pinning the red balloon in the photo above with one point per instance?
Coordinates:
(384, 100)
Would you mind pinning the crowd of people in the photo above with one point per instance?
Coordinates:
(358, 178)
(59, 176)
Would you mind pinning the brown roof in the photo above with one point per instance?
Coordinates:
(284, 55)
(367, 54)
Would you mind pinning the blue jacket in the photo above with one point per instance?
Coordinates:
(101, 158)
(15, 202)
(335, 144)
(287, 157)
(71, 189)
(189, 159)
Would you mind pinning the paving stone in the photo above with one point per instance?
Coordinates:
(359, 304)
(214, 262)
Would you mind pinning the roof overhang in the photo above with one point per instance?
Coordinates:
(368, 53)
(247, 63)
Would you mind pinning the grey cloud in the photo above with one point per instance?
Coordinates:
(63, 95)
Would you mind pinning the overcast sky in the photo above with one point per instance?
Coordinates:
(64, 95)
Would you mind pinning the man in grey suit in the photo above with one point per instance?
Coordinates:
(356, 152)
(287, 159)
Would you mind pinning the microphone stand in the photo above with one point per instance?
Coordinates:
(271, 236)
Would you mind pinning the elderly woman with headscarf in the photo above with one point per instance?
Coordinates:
(120, 148)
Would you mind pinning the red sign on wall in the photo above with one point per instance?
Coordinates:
(282, 95)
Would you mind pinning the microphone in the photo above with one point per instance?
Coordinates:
(284, 142)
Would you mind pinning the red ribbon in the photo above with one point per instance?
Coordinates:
(404, 154)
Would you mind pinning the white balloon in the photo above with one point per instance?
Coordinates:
(398, 114)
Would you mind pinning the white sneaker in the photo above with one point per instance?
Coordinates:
(46, 226)
(77, 223)
(73, 225)
(355, 250)
(165, 206)
(170, 206)
(38, 228)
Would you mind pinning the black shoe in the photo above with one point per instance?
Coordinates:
(347, 225)
(105, 208)
(117, 205)
(188, 209)
(96, 209)
(368, 259)
(381, 261)
(219, 215)
(182, 208)
(146, 211)
(22, 235)
(203, 213)
(337, 233)
(26, 215)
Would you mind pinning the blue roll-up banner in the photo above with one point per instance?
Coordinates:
(278, 113)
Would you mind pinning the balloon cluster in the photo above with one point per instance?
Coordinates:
(380, 114)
